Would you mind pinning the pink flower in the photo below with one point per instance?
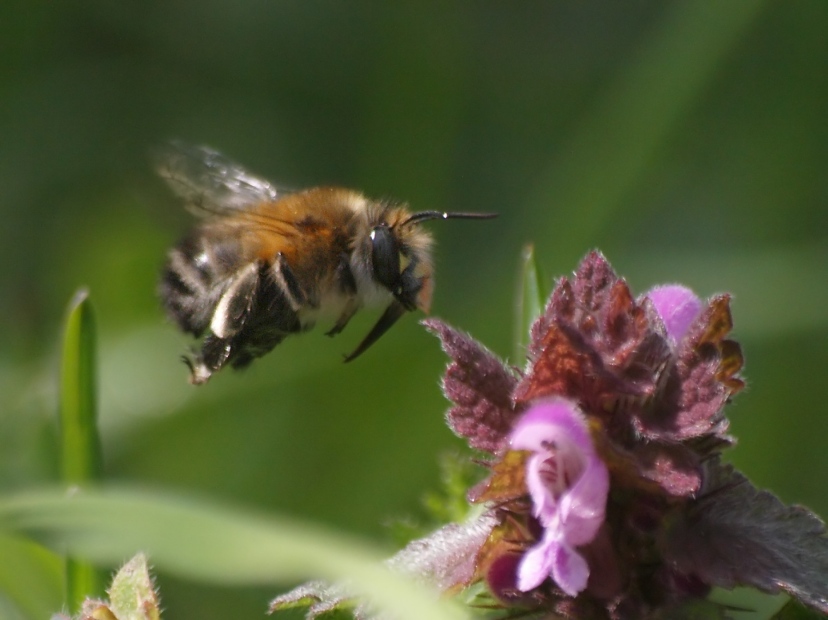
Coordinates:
(568, 484)
(677, 306)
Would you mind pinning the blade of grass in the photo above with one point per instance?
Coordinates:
(80, 444)
(206, 541)
(529, 301)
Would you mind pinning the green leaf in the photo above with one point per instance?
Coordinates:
(132, 595)
(794, 610)
(748, 537)
(529, 301)
(80, 445)
(450, 504)
(30, 576)
(205, 541)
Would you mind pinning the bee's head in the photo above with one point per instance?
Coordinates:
(395, 254)
(401, 257)
(401, 261)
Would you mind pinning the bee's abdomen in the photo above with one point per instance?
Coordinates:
(194, 279)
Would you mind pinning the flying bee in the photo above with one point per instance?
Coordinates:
(265, 262)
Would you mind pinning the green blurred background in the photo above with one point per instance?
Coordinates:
(688, 141)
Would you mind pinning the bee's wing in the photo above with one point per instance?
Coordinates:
(210, 183)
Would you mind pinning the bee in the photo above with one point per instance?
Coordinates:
(266, 262)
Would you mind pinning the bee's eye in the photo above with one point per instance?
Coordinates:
(385, 256)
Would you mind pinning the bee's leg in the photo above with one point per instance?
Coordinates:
(349, 311)
(235, 303)
(213, 356)
(392, 313)
(228, 321)
(348, 287)
(345, 277)
(255, 347)
(272, 315)
(295, 296)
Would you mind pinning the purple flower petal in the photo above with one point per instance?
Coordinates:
(552, 557)
(677, 306)
(536, 566)
(568, 484)
(570, 570)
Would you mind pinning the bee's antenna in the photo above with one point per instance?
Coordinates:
(424, 216)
